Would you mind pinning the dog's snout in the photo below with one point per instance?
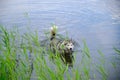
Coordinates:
(70, 48)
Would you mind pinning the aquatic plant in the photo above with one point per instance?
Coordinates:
(23, 58)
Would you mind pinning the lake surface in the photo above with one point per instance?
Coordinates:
(96, 21)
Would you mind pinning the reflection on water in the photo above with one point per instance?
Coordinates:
(97, 21)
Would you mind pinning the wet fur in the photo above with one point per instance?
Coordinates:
(62, 46)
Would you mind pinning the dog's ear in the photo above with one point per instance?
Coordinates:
(65, 42)
(72, 40)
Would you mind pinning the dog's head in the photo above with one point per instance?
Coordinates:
(68, 45)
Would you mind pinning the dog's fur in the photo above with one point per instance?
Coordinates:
(62, 46)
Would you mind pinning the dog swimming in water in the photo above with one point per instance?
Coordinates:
(62, 46)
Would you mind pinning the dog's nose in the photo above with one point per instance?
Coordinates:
(70, 48)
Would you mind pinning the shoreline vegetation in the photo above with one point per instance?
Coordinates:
(23, 58)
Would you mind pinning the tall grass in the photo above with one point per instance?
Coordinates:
(7, 55)
(23, 58)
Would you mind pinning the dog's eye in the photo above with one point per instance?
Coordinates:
(65, 43)
(68, 45)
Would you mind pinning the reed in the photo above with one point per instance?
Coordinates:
(23, 58)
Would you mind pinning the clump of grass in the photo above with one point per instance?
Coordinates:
(85, 63)
(117, 51)
(11, 66)
(7, 54)
(20, 55)
(101, 67)
(117, 58)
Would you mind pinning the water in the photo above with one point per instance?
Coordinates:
(96, 21)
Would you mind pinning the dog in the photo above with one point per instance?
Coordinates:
(62, 46)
